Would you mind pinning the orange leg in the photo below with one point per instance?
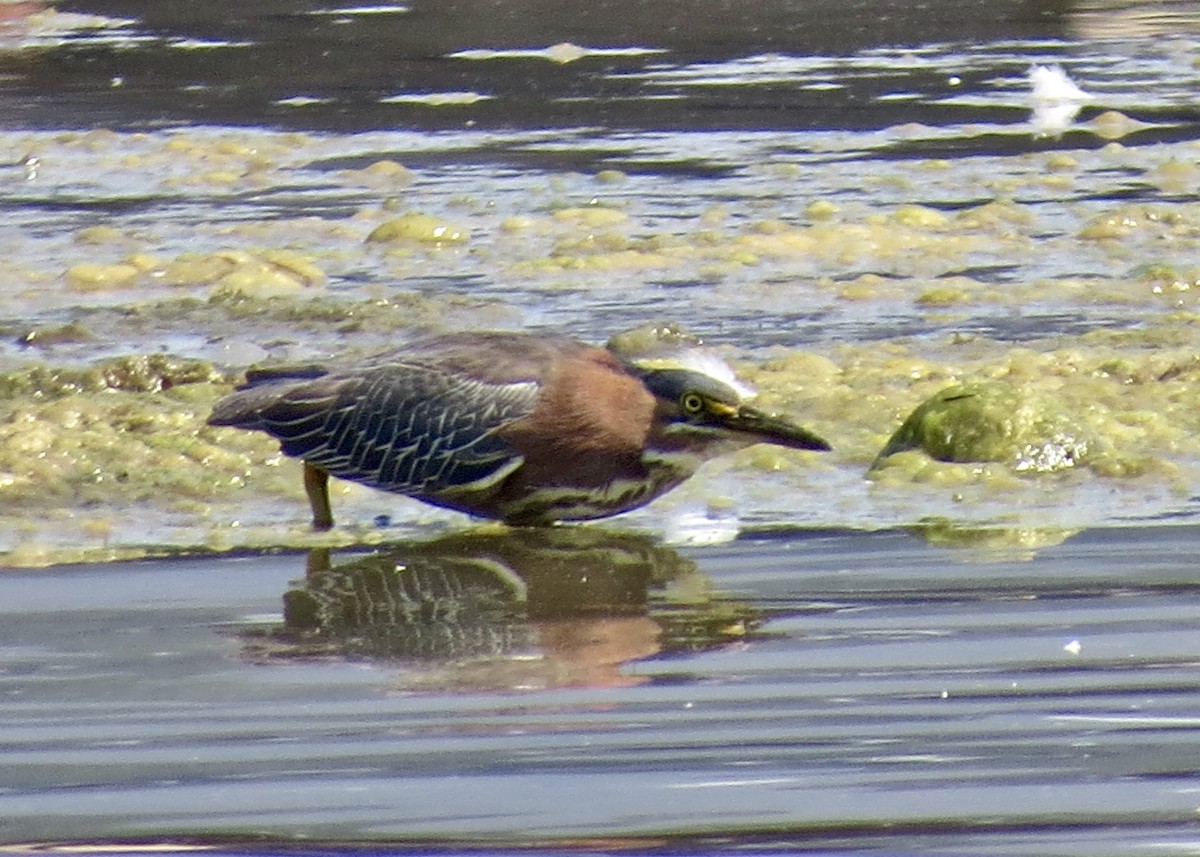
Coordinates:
(316, 485)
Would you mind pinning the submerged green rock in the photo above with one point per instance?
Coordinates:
(995, 540)
(993, 422)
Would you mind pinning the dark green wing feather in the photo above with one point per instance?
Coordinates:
(409, 426)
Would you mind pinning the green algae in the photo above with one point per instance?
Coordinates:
(992, 542)
(125, 429)
(47, 335)
(419, 228)
(1128, 399)
(397, 310)
(131, 430)
(651, 338)
(133, 373)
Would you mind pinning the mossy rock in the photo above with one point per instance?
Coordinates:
(993, 422)
(137, 373)
(419, 228)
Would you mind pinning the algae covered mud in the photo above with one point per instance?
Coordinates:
(862, 229)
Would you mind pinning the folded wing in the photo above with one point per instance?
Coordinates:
(408, 426)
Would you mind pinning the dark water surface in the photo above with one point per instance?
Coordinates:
(353, 67)
(855, 687)
(877, 694)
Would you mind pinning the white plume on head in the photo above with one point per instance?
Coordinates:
(668, 346)
(712, 365)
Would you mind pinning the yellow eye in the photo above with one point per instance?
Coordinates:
(692, 403)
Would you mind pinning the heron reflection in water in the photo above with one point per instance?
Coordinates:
(523, 609)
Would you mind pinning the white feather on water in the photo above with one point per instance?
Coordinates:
(1055, 100)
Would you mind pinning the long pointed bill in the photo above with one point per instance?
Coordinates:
(771, 429)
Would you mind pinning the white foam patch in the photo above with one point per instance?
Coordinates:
(699, 526)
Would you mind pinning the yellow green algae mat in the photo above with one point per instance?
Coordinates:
(985, 340)
(979, 284)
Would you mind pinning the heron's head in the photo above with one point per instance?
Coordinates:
(705, 408)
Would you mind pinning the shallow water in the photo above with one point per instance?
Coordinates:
(857, 692)
(851, 200)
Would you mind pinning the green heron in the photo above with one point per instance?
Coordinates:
(524, 428)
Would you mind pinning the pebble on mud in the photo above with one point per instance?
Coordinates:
(591, 217)
(384, 174)
(98, 277)
(45, 336)
(415, 227)
(266, 273)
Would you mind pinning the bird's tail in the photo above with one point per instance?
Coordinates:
(264, 386)
(243, 408)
